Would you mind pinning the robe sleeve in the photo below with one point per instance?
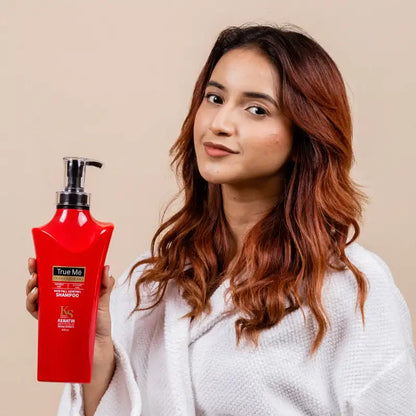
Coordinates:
(391, 392)
(122, 396)
(387, 353)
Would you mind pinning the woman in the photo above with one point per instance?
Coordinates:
(248, 305)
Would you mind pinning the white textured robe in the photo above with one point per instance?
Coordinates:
(167, 366)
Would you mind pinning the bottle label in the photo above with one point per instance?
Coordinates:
(68, 283)
(68, 274)
(66, 320)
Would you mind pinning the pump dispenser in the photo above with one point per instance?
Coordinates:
(70, 255)
(73, 196)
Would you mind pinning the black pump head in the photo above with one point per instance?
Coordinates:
(73, 196)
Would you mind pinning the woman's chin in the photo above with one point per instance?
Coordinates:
(220, 178)
(221, 181)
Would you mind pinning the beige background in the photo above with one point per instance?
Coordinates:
(112, 80)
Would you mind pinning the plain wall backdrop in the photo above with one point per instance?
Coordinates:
(112, 80)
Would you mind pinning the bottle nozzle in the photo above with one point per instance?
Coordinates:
(96, 163)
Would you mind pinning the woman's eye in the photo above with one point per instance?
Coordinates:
(208, 96)
(263, 111)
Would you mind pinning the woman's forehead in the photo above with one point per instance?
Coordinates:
(242, 70)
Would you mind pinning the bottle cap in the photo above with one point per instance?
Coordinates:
(73, 195)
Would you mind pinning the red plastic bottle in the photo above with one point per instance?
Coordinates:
(70, 254)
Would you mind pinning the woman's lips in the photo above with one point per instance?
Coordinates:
(215, 149)
(215, 152)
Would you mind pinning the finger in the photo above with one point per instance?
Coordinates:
(108, 280)
(31, 265)
(32, 282)
(106, 285)
(31, 298)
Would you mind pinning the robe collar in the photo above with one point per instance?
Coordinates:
(179, 333)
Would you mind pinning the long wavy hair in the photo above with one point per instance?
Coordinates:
(286, 254)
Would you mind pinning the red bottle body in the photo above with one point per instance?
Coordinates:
(70, 254)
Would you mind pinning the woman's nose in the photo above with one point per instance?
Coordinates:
(222, 122)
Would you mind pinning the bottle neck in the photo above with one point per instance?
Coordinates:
(75, 208)
(72, 199)
(78, 214)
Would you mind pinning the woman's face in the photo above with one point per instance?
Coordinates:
(251, 126)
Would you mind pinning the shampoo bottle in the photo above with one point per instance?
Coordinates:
(70, 253)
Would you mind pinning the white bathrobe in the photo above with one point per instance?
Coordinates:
(167, 366)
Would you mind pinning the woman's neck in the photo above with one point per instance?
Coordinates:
(244, 207)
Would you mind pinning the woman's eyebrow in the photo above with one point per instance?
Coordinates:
(250, 94)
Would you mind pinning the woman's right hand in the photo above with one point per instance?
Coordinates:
(103, 328)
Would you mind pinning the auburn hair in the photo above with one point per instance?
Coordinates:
(286, 254)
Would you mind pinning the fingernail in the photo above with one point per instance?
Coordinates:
(108, 270)
(34, 290)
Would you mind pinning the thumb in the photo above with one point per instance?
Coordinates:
(107, 284)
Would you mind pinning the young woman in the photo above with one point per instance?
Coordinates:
(248, 303)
